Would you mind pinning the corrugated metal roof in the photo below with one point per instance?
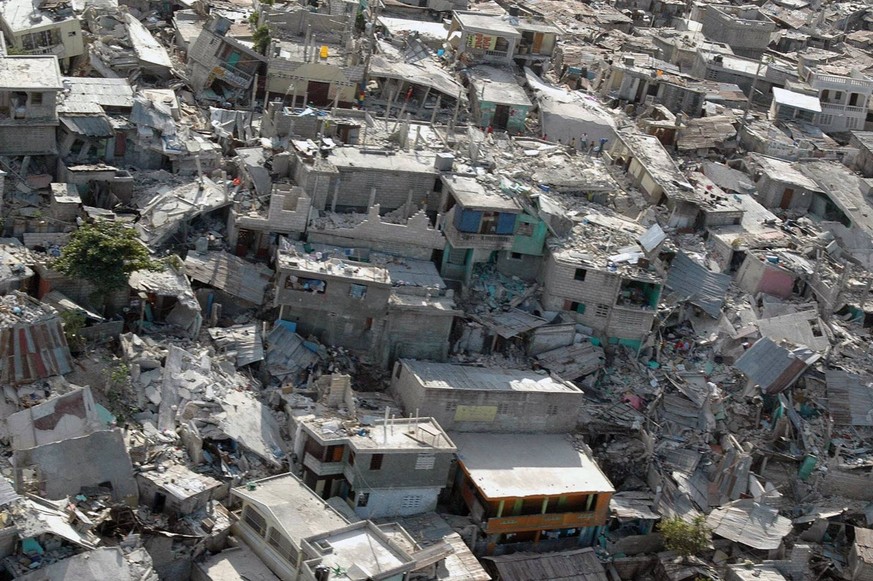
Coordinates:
(104, 92)
(32, 343)
(850, 398)
(511, 323)
(573, 361)
(749, 523)
(287, 352)
(244, 340)
(774, 367)
(579, 565)
(88, 125)
(233, 275)
(698, 285)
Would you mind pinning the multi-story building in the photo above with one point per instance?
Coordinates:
(373, 304)
(478, 221)
(537, 489)
(29, 87)
(603, 278)
(477, 399)
(744, 28)
(503, 40)
(844, 100)
(392, 468)
(32, 29)
(483, 38)
(299, 537)
(222, 63)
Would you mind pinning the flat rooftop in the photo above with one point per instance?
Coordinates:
(399, 26)
(384, 160)
(486, 23)
(25, 14)
(234, 564)
(399, 434)
(294, 51)
(473, 195)
(507, 466)
(449, 376)
(784, 171)
(797, 100)
(497, 85)
(299, 510)
(293, 256)
(361, 552)
(30, 72)
(180, 481)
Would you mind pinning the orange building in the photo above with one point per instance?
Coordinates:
(523, 489)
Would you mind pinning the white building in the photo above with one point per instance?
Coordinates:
(34, 30)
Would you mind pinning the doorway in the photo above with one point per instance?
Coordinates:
(501, 118)
(787, 194)
(318, 93)
(159, 503)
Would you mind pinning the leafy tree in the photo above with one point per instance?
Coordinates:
(261, 38)
(685, 538)
(104, 253)
(74, 322)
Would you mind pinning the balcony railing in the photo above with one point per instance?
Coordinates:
(232, 75)
(540, 522)
(322, 468)
(484, 241)
(58, 50)
(836, 82)
(835, 108)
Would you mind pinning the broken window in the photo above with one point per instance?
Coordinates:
(351, 457)
(255, 520)
(524, 229)
(313, 285)
(451, 406)
(638, 294)
(580, 274)
(515, 255)
(363, 499)
(358, 291)
(376, 461)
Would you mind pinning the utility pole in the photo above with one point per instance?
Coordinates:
(769, 59)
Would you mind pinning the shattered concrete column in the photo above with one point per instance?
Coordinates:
(408, 207)
(335, 195)
(436, 109)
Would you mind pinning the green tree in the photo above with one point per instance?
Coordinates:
(74, 322)
(261, 38)
(104, 253)
(685, 538)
